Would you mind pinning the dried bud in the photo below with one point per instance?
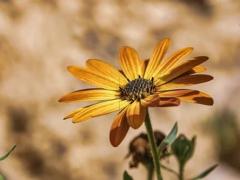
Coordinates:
(139, 149)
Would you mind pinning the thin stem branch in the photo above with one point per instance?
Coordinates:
(169, 169)
(153, 146)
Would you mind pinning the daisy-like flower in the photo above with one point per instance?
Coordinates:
(139, 84)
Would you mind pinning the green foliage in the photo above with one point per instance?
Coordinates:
(126, 176)
(8, 153)
(183, 149)
(205, 173)
(169, 139)
(4, 157)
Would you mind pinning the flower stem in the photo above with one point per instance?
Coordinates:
(153, 146)
(150, 171)
(181, 177)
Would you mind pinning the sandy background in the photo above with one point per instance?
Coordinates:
(39, 38)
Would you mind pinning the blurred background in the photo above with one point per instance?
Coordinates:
(39, 38)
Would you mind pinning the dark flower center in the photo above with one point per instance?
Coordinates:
(137, 89)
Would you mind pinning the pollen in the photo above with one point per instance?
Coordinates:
(137, 89)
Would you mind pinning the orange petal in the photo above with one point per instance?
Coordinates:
(188, 95)
(119, 128)
(156, 58)
(172, 61)
(157, 101)
(136, 114)
(91, 78)
(181, 69)
(130, 63)
(167, 102)
(94, 94)
(185, 80)
(149, 99)
(106, 71)
(97, 109)
(197, 69)
(144, 65)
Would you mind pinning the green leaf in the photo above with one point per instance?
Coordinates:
(8, 153)
(126, 176)
(205, 173)
(183, 148)
(1, 177)
(169, 139)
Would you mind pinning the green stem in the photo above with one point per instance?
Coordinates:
(153, 146)
(181, 169)
(150, 171)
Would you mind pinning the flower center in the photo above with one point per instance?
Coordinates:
(137, 89)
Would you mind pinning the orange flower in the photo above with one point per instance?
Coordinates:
(139, 85)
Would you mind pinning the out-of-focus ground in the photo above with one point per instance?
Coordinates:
(39, 38)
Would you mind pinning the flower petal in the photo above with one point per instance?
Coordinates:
(144, 65)
(130, 63)
(156, 58)
(91, 78)
(107, 71)
(157, 101)
(185, 80)
(188, 95)
(167, 102)
(95, 94)
(136, 114)
(119, 128)
(181, 69)
(97, 109)
(172, 61)
(197, 69)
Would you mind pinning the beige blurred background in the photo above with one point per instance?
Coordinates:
(39, 38)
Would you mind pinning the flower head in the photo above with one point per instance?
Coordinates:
(138, 85)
